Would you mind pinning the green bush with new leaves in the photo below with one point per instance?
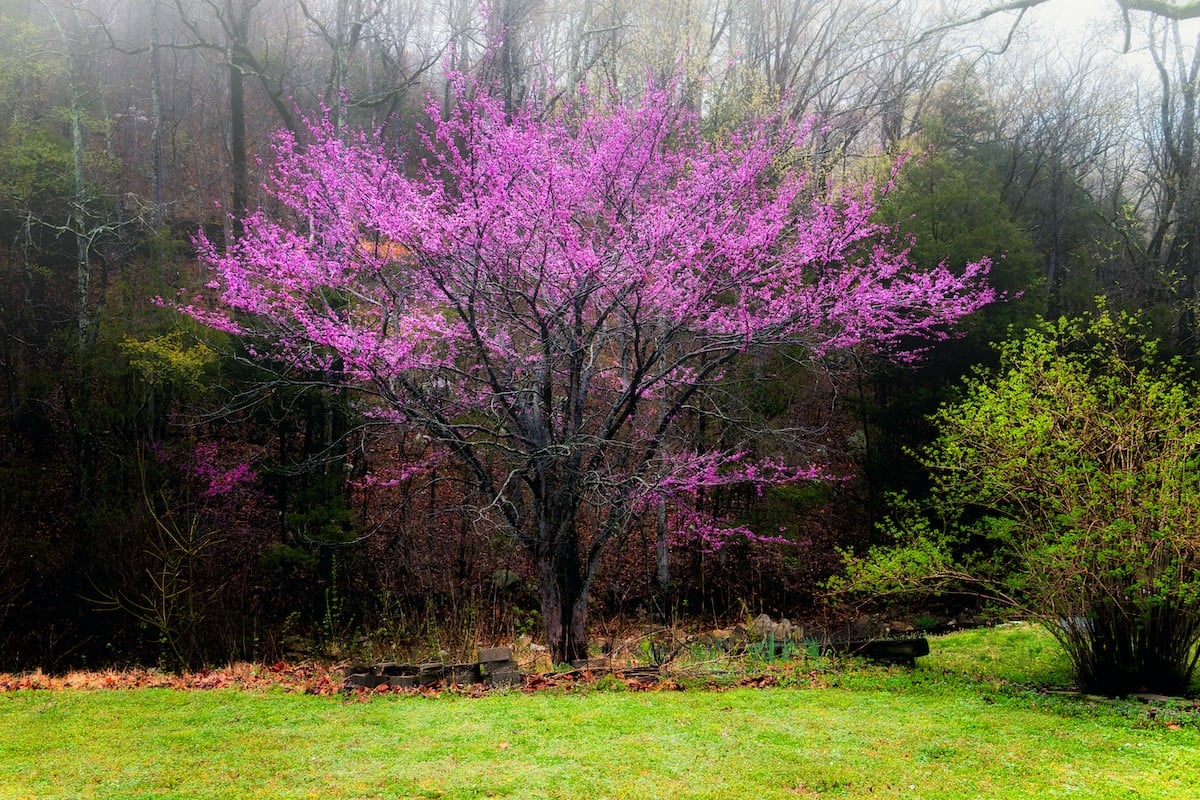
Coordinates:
(1067, 486)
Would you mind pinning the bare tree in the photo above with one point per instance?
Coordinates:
(865, 70)
(91, 220)
(1063, 131)
(1161, 8)
(1165, 9)
(1175, 230)
(230, 28)
(373, 58)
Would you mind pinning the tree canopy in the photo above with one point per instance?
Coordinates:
(548, 297)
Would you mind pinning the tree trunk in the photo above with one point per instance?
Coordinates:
(564, 590)
(157, 156)
(237, 145)
(662, 550)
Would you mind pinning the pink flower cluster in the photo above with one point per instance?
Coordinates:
(544, 293)
(216, 478)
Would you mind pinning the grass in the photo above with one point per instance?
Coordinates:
(962, 725)
(1019, 652)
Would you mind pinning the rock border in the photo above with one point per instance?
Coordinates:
(493, 666)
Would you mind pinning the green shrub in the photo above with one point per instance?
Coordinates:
(1067, 485)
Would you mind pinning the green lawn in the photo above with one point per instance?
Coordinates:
(953, 728)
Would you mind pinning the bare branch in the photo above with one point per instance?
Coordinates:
(1163, 8)
(1166, 9)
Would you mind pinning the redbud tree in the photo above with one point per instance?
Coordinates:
(545, 296)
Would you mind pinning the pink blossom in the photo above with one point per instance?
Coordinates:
(543, 295)
(216, 478)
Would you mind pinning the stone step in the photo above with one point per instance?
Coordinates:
(488, 655)
(505, 677)
(495, 666)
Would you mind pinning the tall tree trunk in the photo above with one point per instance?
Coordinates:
(76, 222)
(237, 143)
(1178, 228)
(77, 226)
(564, 585)
(157, 201)
(662, 550)
(564, 613)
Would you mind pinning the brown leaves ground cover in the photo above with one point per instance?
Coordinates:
(303, 678)
(310, 678)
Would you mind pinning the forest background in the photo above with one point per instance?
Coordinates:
(164, 498)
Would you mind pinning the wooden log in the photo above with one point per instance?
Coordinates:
(893, 651)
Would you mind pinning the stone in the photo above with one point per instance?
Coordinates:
(497, 666)
(1149, 697)
(489, 655)
(369, 681)
(505, 677)
(763, 628)
(462, 674)
(430, 673)
(393, 669)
